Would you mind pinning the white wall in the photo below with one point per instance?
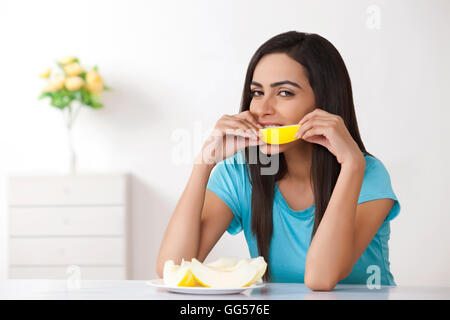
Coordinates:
(181, 65)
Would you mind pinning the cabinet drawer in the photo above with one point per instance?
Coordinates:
(67, 251)
(86, 273)
(84, 189)
(67, 221)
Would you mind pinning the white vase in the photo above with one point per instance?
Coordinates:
(72, 154)
(70, 118)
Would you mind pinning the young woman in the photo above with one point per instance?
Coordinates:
(323, 217)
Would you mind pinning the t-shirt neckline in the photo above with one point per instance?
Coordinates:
(302, 213)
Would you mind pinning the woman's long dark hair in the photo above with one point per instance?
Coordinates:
(329, 79)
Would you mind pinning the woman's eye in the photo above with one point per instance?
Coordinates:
(287, 93)
(283, 93)
(255, 93)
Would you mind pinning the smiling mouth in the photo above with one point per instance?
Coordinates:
(272, 126)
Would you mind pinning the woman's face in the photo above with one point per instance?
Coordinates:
(281, 95)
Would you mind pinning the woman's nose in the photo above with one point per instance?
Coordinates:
(263, 106)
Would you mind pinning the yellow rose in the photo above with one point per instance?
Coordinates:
(73, 83)
(48, 88)
(67, 60)
(46, 73)
(73, 69)
(55, 84)
(94, 82)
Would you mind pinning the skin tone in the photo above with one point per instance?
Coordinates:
(346, 229)
(285, 103)
(282, 96)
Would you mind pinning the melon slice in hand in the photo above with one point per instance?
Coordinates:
(279, 134)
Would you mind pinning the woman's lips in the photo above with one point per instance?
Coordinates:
(270, 124)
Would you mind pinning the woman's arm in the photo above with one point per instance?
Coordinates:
(200, 218)
(346, 228)
(344, 232)
(182, 236)
(331, 248)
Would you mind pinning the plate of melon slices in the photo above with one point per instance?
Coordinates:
(159, 283)
(223, 276)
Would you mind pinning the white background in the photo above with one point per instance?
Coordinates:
(180, 65)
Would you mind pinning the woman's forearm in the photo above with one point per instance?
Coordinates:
(331, 249)
(182, 236)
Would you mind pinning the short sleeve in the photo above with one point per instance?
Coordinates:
(377, 185)
(225, 182)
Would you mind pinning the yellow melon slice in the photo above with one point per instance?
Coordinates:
(262, 265)
(279, 135)
(242, 274)
(223, 264)
(178, 275)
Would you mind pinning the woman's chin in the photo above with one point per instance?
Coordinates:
(275, 148)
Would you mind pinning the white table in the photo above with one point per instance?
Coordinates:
(140, 290)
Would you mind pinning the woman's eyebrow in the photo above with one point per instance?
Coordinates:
(276, 84)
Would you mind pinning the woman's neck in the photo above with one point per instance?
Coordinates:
(298, 162)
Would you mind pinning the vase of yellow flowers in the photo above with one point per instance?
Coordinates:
(71, 89)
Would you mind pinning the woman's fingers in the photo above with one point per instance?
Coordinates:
(240, 127)
(231, 134)
(306, 126)
(250, 118)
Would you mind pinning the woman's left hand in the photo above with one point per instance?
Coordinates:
(329, 130)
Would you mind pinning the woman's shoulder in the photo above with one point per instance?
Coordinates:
(377, 184)
(374, 164)
(234, 166)
(376, 176)
(237, 158)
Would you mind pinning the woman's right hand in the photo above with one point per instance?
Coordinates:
(231, 134)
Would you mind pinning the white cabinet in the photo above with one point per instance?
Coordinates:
(59, 221)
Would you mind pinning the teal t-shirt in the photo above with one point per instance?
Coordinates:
(292, 229)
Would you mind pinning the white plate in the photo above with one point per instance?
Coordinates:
(159, 283)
